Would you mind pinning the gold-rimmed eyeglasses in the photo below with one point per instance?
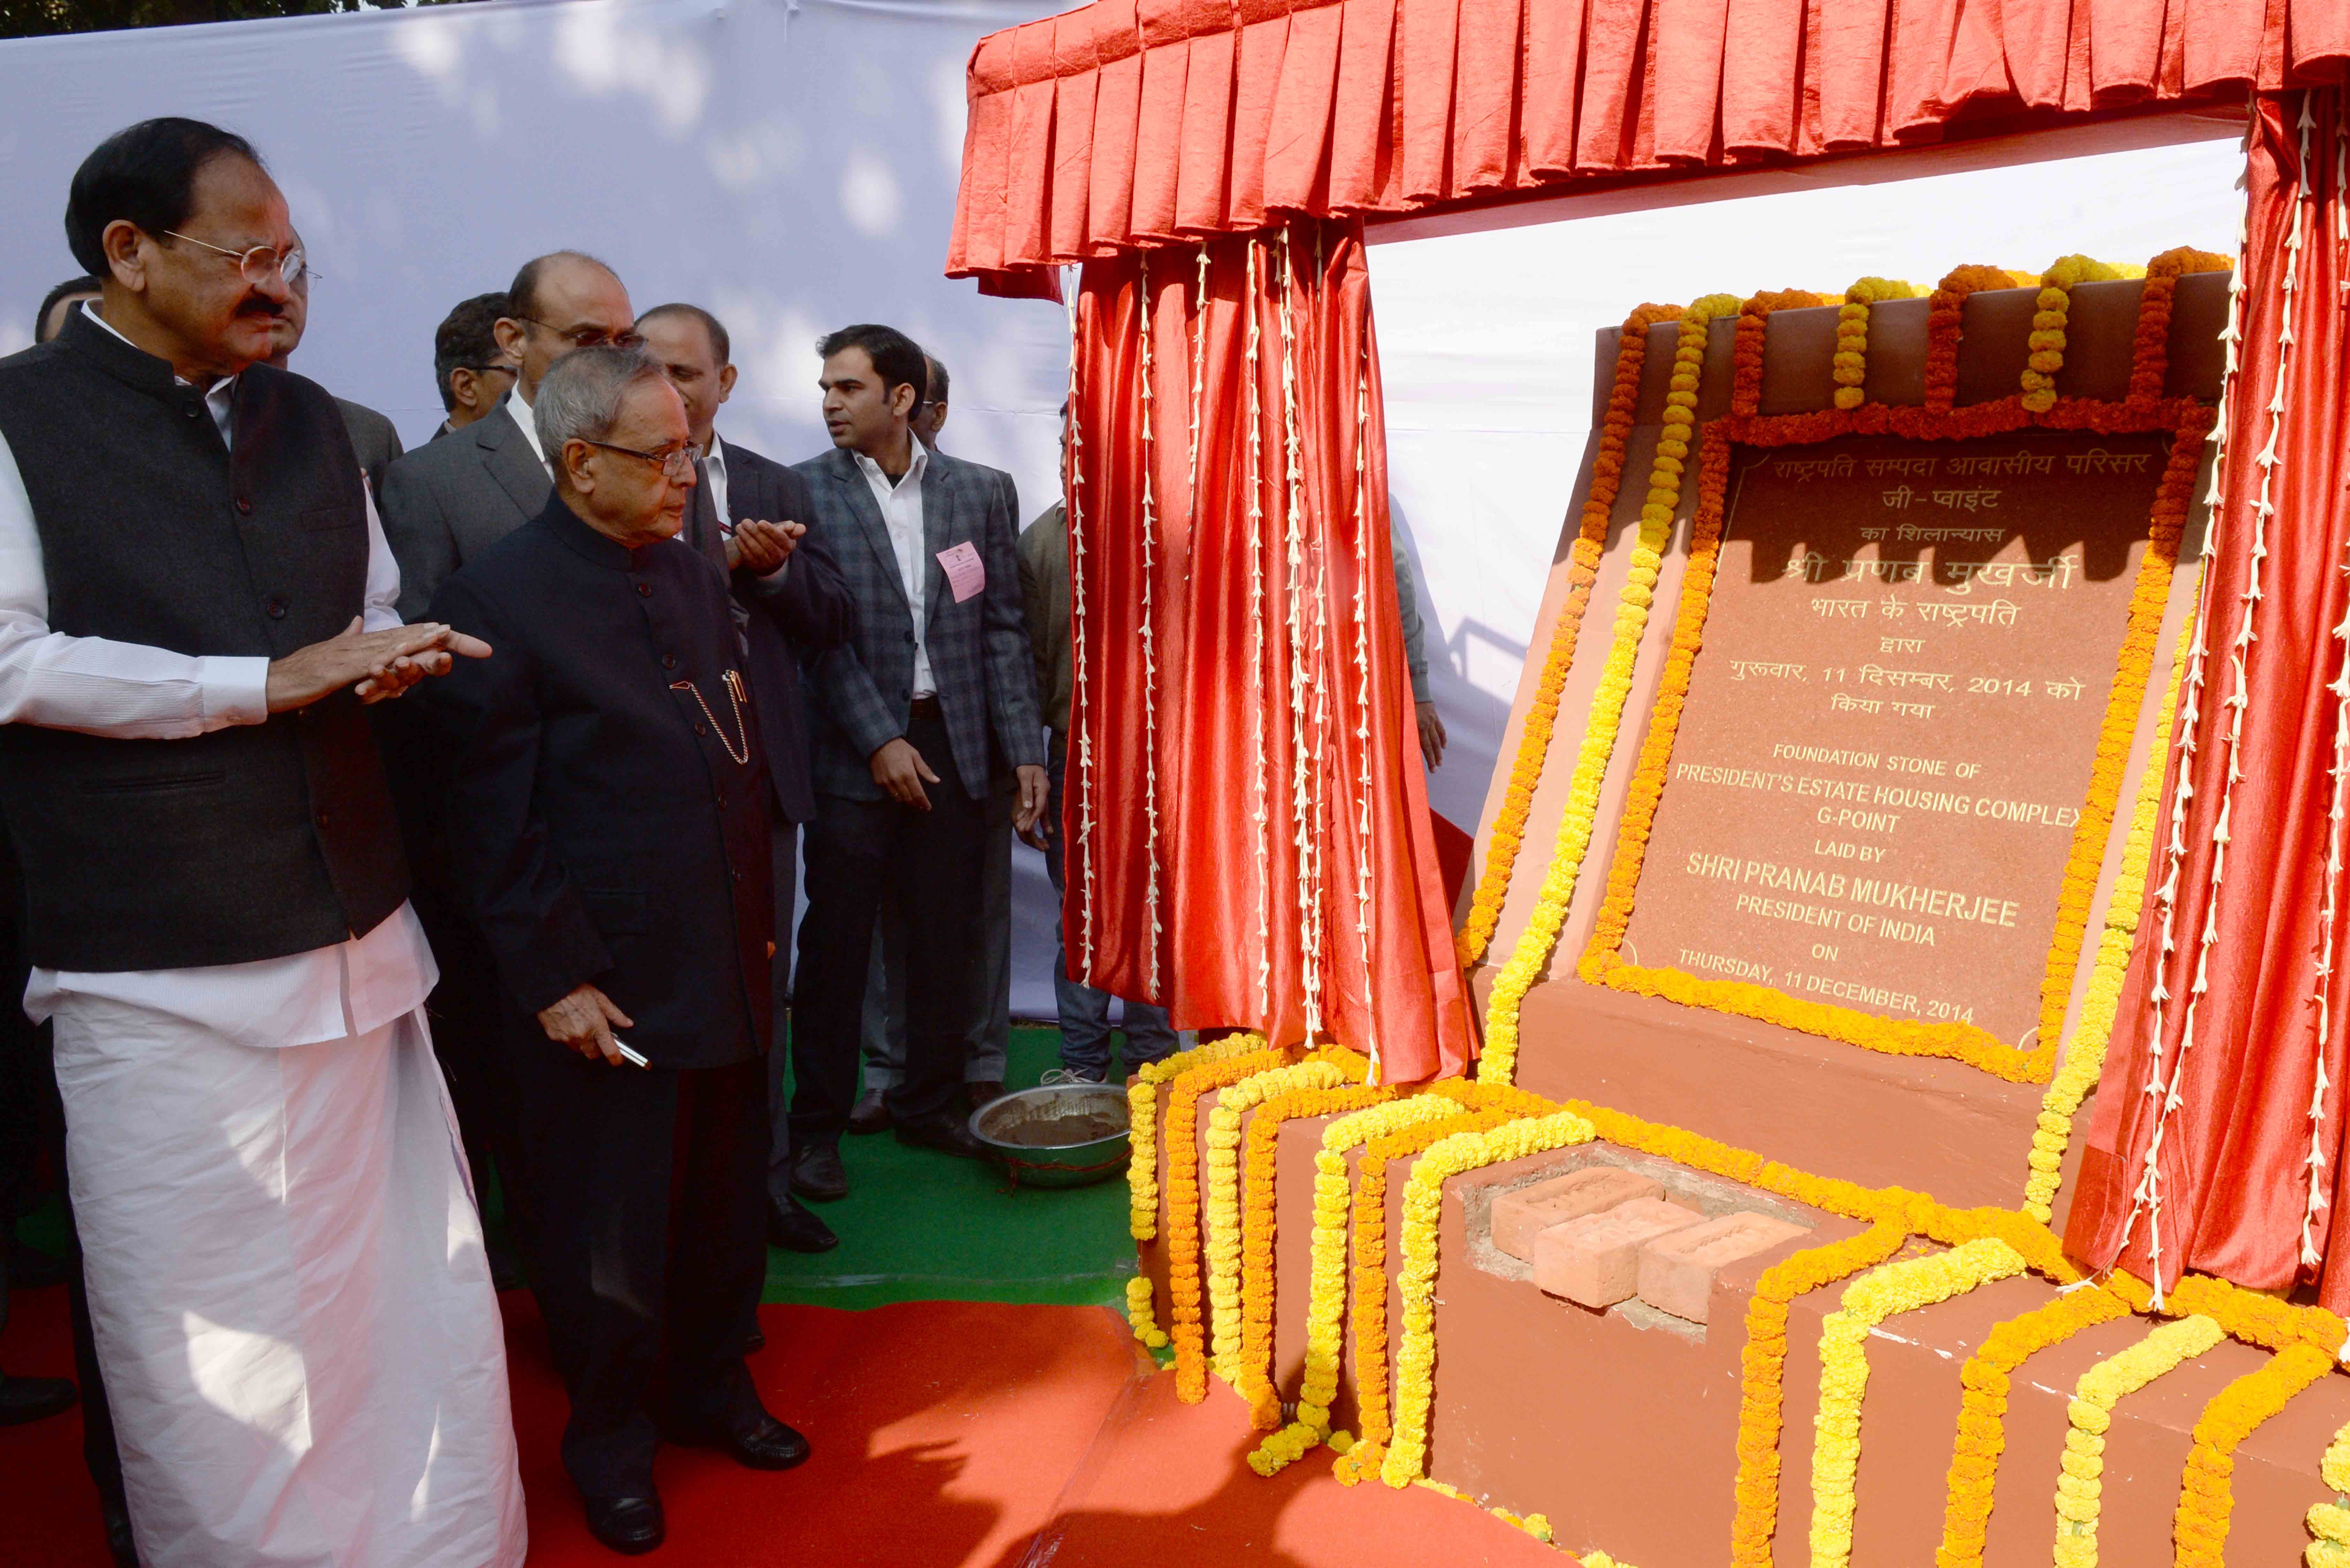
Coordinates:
(674, 465)
(589, 337)
(262, 262)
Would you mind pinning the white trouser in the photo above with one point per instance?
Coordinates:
(293, 1310)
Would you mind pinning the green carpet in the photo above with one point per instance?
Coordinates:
(918, 1226)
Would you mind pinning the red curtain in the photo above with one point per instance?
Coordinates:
(1130, 121)
(2230, 1058)
(1247, 824)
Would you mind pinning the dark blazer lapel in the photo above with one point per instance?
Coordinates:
(508, 458)
(851, 480)
(942, 492)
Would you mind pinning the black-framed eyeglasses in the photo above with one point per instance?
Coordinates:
(674, 465)
(484, 370)
(262, 263)
(591, 336)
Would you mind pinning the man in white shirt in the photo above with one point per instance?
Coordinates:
(285, 1265)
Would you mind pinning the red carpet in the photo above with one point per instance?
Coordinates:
(946, 1435)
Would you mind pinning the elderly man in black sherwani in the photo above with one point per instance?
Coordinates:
(609, 805)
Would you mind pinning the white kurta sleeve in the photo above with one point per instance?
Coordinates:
(101, 687)
(383, 572)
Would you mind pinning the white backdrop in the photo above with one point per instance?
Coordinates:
(794, 168)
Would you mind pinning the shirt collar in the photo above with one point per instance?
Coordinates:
(714, 460)
(914, 470)
(219, 397)
(518, 407)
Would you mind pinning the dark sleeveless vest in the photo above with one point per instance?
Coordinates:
(256, 840)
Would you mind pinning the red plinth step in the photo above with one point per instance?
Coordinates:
(1676, 1269)
(1595, 1261)
(1524, 1213)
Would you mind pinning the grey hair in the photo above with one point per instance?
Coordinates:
(582, 395)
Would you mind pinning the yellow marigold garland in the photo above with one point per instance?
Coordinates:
(1182, 1203)
(2048, 339)
(1327, 1293)
(1843, 1370)
(1582, 570)
(1139, 1315)
(1982, 1410)
(1499, 1063)
(2095, 1394)
(1368, 1307)
(1852, 335)
(2084, 1056)
(1223, 1207)
(1415, 1358)
(2330, 1521)
(2206, 1498)
(1253, 1379)
(1142, 1122)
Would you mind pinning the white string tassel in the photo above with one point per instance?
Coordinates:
(2147, 1196)
(1366, 551)
(1302, 762)
(1150, 646)
(1261, 813)
(1081, 710)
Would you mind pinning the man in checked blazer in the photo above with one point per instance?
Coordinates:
(929, 703)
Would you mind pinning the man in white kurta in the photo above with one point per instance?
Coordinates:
(285, 1263)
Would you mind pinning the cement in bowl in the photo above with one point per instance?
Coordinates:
(1066, 1135)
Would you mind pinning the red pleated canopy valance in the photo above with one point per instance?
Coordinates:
(1134, 122)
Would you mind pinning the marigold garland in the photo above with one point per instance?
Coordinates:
(1851, 362)
(1843, 1370)
(1415, 1357)
(1142, 1124)
(1753, 328)
(1945, 313)
(2330, 1521)
(1982, 1410)
(2150, 351)
(1582, 571)
(1368, 1305)
(2091, 1412)
(1182, 1204)
(2048, 323)
(2205, 1497)
(2085, 1054)
(1325, 1294)
(1499, 1063)
(1252, 1376)
(1223, 1205)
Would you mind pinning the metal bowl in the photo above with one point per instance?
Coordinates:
(1065, 1134)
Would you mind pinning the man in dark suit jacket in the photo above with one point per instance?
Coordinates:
(448, 501)
(927, 705)
(608, 832)
(799, 608)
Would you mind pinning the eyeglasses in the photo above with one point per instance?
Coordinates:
(589, 337)
(262, 263)
(486, 370)
(674, 465)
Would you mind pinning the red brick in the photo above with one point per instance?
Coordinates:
(1677, 1270)
(1520, 1214)
(1595, 1261)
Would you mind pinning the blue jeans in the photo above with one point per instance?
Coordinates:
(1085, 1011)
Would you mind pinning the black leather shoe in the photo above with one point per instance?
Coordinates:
(791, 1227)
(23, 1399)
(631, 1526)
(977, 1095)
(763, 1444)
(817, 1173)
(946, 1137)
(870, 1115)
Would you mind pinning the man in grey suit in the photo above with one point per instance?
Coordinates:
(931, 700)
(448, 501)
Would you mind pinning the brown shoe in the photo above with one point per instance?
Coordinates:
(979, 1093)
(869, 1115)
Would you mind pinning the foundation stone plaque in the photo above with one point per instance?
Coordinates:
(1892, 719)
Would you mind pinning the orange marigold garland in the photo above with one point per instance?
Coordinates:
(1982, 1410)
(2205, 1497)
(1180, 1138)
(1582, 570)
(1945, 313)
(2151, 352)
(1753, 327)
